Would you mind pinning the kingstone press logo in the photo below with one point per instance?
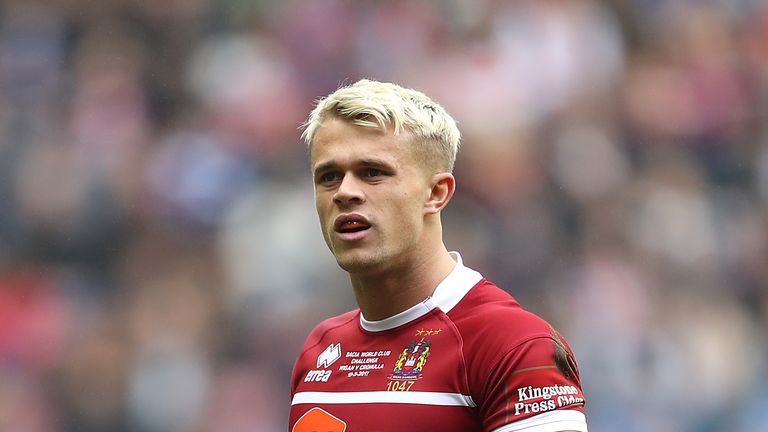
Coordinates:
(541, 399)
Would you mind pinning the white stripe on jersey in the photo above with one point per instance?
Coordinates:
(552, 421)
(414, 397)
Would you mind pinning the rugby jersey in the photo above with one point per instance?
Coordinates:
(468, 358)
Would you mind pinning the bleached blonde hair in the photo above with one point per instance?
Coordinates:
(381, 105)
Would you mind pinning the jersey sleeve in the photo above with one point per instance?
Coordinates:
(535, 387)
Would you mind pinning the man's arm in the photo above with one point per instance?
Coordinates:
(535, 388)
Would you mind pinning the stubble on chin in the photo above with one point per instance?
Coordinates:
(353, 265)
(357, 262)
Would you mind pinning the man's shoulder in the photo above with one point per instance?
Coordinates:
(344, 322)
(504, 343)
(489, 309)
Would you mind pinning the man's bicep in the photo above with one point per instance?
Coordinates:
(535, 388)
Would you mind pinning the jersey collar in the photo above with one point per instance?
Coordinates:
(448, 294)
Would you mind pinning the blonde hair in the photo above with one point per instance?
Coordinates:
(377, 104)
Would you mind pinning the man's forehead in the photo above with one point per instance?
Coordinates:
(343, 139)
(334, 126)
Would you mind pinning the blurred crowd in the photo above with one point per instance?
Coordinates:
(160, 257)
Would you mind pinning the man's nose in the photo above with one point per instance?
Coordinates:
(349, 191)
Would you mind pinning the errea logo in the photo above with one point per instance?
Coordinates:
(324, 360)
(329, 356)
(318, 375)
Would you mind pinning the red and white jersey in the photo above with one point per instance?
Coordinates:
(468, 358)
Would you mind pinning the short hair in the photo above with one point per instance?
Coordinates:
(377, 104)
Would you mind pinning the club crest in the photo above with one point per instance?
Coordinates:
(410, 363)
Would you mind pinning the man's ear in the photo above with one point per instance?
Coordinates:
(441, 191)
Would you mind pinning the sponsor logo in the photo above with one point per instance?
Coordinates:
(321, 375)
(329, 355)
(324, 360)
(412, 359)
(541, 399)
(319, 420)
(546, 393)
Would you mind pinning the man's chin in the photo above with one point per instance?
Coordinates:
(357, 263)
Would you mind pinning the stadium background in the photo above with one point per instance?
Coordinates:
(160, 259)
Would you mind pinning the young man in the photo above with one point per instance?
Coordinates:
(434, 345)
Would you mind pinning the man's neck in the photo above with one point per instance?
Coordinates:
(388, 293)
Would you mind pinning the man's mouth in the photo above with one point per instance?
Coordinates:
(351, 224)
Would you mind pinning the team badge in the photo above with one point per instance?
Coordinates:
(411, 361)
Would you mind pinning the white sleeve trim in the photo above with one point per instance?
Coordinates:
(553, 421)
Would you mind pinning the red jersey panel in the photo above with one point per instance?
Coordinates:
(469, 358)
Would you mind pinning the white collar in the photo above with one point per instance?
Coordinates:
(448, 294)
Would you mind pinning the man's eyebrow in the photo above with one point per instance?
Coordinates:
(330, 165)
(375, 163)
(323, 166)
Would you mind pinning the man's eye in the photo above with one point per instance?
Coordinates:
(329, 177)
(373, 172)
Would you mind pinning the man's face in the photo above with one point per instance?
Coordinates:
(369, 193)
